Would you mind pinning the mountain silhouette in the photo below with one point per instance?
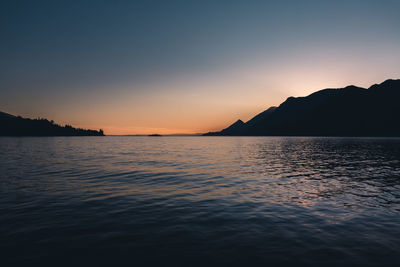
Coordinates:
(11, 125)
(349, 111)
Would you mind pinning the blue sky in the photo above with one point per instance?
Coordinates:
(186, 66)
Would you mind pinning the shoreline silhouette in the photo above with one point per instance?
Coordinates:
(349, 111)
(17, 126)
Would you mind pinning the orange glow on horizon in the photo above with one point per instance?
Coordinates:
(113, 130)
(197, 103)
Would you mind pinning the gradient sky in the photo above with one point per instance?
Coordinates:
(139, 67)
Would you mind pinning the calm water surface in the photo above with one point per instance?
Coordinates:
(140, 201)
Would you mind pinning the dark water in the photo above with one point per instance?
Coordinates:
(140, 201)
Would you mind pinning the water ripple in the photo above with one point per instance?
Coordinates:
(200, 201)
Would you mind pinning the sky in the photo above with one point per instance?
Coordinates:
(142, 67)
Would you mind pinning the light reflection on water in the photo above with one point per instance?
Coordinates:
(200, 200)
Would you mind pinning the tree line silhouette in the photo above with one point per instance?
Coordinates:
(18, 126)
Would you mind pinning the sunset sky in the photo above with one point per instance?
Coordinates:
(140, 67)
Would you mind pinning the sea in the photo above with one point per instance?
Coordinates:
(199, 201)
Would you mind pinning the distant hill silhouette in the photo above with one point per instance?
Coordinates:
(349, 111)
(17, 126)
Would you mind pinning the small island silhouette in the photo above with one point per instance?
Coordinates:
(349, 111)
(154, 135)
(17, 126)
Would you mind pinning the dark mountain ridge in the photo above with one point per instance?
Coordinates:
(11, 125)
(349, 111)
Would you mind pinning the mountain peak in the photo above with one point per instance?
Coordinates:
(352, 87)
(329, 112)
(238, 122)
(386, 84)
